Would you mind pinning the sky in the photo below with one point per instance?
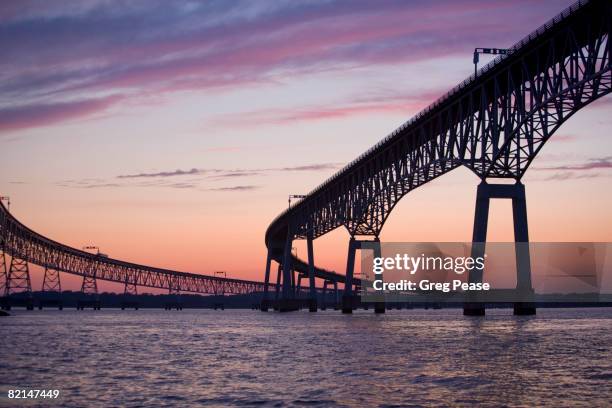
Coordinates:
(172, 133)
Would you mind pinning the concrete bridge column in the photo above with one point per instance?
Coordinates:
(484, 194)
(379, 307)
(347, 296)
(324, 302)
(278, 282)
(288, 301)
(298, 290)
(336, 295)
(312, 306)
(287, 269)
(265, 300)
(523, 262)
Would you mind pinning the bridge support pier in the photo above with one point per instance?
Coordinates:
(379, 307)
(288, 302)
(336, 296)
(298, 289)
(3, 273)
(89, 287)
(347, 296)
(324, 302)
(349, 299)
(18, 281)
(278, 281)
(265, 301)
(516, 192)
(51, 285)
(130, 291)
(312, 293)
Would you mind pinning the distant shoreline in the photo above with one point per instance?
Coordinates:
(70, 299)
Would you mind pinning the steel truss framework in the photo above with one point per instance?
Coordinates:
(494, 123)
(3, 272)
(51, 281)
(18, 278)
(26, 246)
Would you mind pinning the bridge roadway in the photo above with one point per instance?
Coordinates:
(494, 123)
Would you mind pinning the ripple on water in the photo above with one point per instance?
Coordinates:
(248, 358)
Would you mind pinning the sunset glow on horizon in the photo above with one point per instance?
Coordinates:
(171, 134)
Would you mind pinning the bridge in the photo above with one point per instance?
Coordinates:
(494, 123)
(25, 246)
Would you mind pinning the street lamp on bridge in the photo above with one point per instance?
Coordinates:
(8, 202)
(478, 51)
(296, 196)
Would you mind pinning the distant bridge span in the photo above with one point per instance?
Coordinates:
(22, 243)
(28, 246)
(494, 123)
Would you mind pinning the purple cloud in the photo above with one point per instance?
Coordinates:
(43, 114)
(60, 50)
(235, 188)
(388, 102)
(221, 173)
(173, 173)
(592, 164)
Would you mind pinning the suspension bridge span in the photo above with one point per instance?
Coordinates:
(494, 123)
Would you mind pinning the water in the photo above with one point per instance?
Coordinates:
(247, 358)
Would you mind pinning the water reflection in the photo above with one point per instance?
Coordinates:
(408, 357)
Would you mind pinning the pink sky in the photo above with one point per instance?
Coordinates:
(171, 134)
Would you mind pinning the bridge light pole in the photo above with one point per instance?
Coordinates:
(296, 196)
(8, 202)
(494, 51)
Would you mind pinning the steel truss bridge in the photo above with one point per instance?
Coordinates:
(26, 246)
(494, 123)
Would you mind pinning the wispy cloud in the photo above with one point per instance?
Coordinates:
(389, 102)
(160, 46)
(235, 174)
(591, 164)
(564, 138)
(42, 114)
(312, 167)
(172, 173)
(183, 185)
(88, 185)
(235, 188)
(195, 178)
(229, 173)
(587, 169)
(569, 175)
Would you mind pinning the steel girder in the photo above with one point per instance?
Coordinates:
(494, 123)
(22, 243)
